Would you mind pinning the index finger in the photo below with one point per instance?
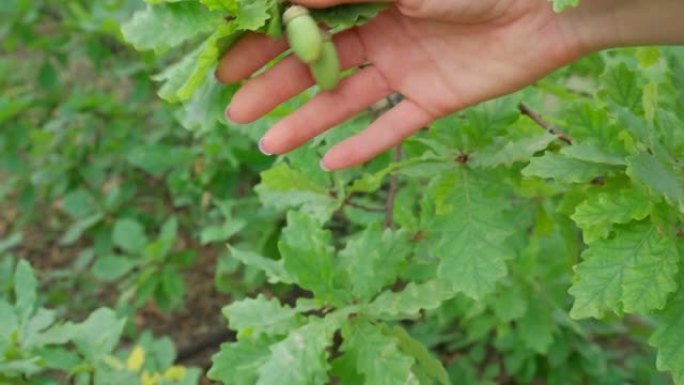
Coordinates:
(248, 55)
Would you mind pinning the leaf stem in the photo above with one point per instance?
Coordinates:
(537, 118)
(393, 189)
(357, 205)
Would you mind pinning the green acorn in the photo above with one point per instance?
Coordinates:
(326, 70)
(303, 34)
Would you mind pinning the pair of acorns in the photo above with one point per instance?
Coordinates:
(312, 46)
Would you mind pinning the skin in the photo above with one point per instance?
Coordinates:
(441, 55)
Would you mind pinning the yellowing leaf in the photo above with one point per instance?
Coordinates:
(175, 373)
(150, 379)
(114, 362)
(136, 359)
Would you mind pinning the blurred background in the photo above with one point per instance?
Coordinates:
(107, 194)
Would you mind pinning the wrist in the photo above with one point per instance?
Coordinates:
(601, 24)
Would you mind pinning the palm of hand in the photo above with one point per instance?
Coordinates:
(439, 67)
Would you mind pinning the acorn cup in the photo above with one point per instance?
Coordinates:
(326, 70)
(303, 34)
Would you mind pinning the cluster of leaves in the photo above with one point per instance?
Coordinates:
(35, 343)
(488, 249)
(618, 184)
(495, 218)
(92, 151)
(491, 204)
(87, 187)
(217, 24)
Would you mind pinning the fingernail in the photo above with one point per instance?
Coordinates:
(323, 166)
(227, 115)
(262, 149)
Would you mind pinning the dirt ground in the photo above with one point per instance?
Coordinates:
(197, 328)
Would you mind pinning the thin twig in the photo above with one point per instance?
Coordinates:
(393, 189)
(357, 205)
(525, 110)
(378, 109)
(393, 100)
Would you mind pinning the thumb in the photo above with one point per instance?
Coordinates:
(330, 3)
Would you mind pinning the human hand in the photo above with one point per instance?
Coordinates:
(441, 55)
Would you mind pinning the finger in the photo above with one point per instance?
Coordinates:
(387, 131)
(254, 50)
(249, 54)
(329, 3)
(326, 110)
(287, 79)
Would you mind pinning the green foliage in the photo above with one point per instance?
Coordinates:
(35, 343)
(488, 244)
(634, 272)
(167, 24)
(475, 255)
